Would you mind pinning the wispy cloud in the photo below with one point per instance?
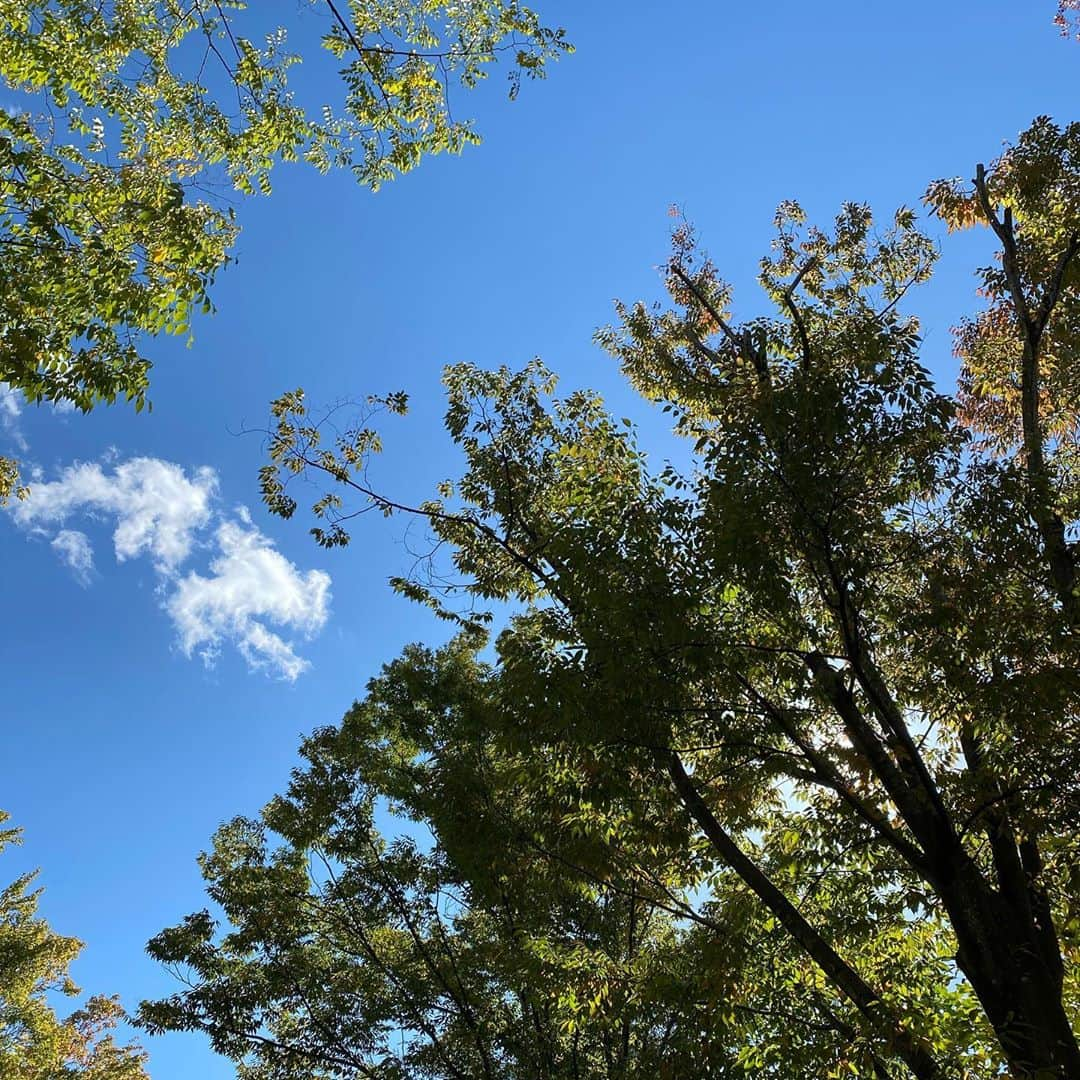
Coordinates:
(10, 411)
(251, 595)
(75, 552)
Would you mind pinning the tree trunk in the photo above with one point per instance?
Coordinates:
(1001, 956)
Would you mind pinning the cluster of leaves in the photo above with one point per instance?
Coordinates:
(114, 136)
(35, 1044)
(834, 666)
(1037, 186)
(401, 60)
(454, 952)
(499, 935)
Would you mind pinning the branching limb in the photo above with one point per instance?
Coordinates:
(1032, 326)
(742, 343)
(788, 298)
(824, 771)
(909, 1048)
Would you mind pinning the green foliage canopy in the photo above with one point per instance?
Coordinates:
(117, 127)
(453, 952)
(833, 667)
(497, 937)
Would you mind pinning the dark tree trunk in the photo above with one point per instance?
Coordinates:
(1002, 954)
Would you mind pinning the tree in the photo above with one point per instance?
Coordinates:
(35, 1044)
(124, 117)
(459, 951)
(502, 938)
(833, 666)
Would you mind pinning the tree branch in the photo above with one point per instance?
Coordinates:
(788, 298)
(825, 772)
(910, 1049)
(1032, 326)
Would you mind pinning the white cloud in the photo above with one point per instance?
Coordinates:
(250, 584)
(161, 512)
(75, 551)
(10, 410)
(156, 506)
(9, 402)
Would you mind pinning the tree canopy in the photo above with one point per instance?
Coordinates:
(127, 121)
(502, 938)
(35, 1043)
(827, 676)
(461, 947)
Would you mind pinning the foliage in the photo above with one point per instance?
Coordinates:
(35, 1044)
(122, 118)
(456, 951)
(496, 937)
(833, 666)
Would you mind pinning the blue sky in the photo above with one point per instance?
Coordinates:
(122, 752)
